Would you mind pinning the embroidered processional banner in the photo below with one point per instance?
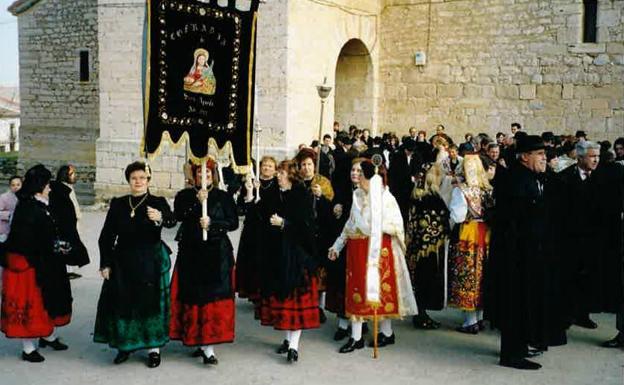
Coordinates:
(199, 78)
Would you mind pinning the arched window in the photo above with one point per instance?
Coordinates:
(590, 16)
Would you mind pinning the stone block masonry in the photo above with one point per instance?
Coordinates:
(530, 52)
(59, 112)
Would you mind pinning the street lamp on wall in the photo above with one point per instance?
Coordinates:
(323, 92)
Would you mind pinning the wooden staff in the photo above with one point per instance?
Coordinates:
(204, 186)
(375, 331)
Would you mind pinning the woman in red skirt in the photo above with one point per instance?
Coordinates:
(290, 288)
(377, 283)
(202, 293)
(36, 295)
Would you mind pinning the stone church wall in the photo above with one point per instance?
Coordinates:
(494, 62)
(59, 113)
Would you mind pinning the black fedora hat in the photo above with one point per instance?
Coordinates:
(408, 144)
(529, 143)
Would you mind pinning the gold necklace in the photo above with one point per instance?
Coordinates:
(132, 209)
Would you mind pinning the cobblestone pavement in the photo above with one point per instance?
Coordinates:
(419, 357)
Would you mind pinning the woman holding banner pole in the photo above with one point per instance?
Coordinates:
(249, 259)
(202, 292)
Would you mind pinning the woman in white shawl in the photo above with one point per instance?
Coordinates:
(377, 284)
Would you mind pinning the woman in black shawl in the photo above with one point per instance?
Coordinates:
(290, 287)
(248, 258)
(36, 295)
(133, 309)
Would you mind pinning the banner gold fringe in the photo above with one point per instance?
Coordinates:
(223, 155)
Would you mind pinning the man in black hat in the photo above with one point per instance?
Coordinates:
(549, 139)
(520, 290)
(343, 156)
(404, 166)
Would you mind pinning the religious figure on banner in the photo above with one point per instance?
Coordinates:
(201, 79)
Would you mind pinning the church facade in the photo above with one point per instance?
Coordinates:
(471, 65)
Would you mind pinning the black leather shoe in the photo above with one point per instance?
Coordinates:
(121, 357)
(522, 364)
(153, 360)
(471, 329)
(293, 356)
(56, 344)
(341, 334)
(197, 353)
(586, 323)
(283, 348)
(212, 360)
(617, 342)
(424, 323)
(33, 356)
(322, 316)
(382, 340)
(352, 345)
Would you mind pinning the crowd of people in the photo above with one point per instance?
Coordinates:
(521, 233)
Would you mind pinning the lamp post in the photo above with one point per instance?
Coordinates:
(323, 92)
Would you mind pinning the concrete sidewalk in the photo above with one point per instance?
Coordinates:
(419, 357)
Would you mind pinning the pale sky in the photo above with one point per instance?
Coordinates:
(8, 46)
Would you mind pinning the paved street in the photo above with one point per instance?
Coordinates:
(419, 357)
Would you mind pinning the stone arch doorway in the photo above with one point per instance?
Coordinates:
(354, 97)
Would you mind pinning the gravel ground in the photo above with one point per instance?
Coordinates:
(419, 357)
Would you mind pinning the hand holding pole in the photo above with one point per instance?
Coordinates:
(204, 186)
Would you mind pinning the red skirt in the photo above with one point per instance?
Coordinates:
(23, 312)
(196, 325)
(356, 305)
(299, 311)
